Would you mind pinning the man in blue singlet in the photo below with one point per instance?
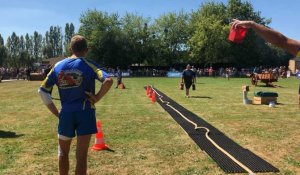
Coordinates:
(75, 78)
(276, 38)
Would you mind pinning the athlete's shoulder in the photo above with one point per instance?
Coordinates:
(61, 62)
(91, 63)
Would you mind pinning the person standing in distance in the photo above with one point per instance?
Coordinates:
(188, 78)
(272, 36)
(75, 78)
(298, 76)
(119, 77)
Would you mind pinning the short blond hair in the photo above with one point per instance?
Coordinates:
(78, 43)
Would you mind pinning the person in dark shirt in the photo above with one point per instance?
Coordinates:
(119, 77)
(47, 70)
(298, 76)
(188, 78)
(28, 76)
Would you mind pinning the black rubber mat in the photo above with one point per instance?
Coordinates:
(246, 157)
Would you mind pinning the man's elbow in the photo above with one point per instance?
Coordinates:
(46, 97)
(109, 81)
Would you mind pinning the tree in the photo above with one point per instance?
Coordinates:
(135, 31)
(13, 50)
(55, 41)
(69, 32)
(208, 43)
(1, 40)
(105, 38)
(253, 50)
(37, 46)
(29, 49)
(173, 34)
(22, 59)
(28, 45)
(2, 51)
(47, 47)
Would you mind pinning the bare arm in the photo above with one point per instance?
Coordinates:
(47, 100)
(53, 109)
(270, 35)
(103, 90)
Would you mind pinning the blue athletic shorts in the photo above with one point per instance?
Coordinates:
(81, 122)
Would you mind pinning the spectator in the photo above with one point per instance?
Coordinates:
(119, 77)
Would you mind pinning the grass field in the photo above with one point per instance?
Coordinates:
(145, 138)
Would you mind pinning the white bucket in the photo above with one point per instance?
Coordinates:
(272, 104)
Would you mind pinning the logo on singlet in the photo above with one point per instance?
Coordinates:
(69, 78)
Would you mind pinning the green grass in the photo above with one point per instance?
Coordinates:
(145, 138)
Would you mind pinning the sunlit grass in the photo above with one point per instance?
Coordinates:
(145, 138)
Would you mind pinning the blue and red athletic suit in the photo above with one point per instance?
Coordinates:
(74, 77)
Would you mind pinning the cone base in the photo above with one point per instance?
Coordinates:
(99, 148)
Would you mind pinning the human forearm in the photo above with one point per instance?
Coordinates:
(104, 89)
(52, 108)
(269, 35)
(272, 36)
(47, 100)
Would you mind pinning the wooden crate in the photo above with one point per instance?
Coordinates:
(264, 100)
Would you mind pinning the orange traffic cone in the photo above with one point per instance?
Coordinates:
(99, 140)
(150, 92)
(153, 98)
(147, 90)
(121, 86)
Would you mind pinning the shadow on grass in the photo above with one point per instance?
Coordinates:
(110, 150)
(200, 97)
(279, 103)
(270, 86)
(9, 134)
(123, 89)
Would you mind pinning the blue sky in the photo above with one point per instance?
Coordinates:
(27, 16)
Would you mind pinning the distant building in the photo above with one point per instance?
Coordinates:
(52, 61)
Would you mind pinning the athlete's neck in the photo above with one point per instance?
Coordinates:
(77, 56)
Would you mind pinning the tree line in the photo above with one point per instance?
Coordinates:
(198, 37)
(24, 51)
